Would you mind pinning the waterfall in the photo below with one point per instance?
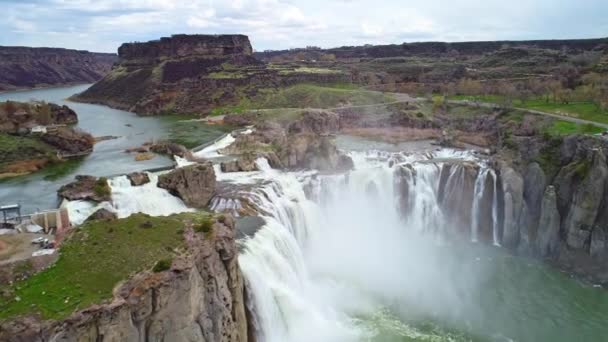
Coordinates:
(128, 200)
(335, 248)
(480, 183)
(495, 232)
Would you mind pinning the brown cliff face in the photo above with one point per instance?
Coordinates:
(190, 74)
(201, 298)
(182, 45)
(24, 67)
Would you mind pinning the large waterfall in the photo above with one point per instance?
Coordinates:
(338, 251)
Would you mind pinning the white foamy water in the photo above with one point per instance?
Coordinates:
(345, 250)
(127, 200)
(212, 151)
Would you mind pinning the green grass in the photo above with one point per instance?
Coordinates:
(15, 148)
(561, 127)
(93, 261)
(307, 96)
(184, 131)
(581, 110)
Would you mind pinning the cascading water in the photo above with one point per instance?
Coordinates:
(127, 199)
(337, 250)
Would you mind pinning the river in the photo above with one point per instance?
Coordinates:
(38, 191)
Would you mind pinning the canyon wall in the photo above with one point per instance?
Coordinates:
(201, 298)
(25, 67)
(190, 74)
(442, 48)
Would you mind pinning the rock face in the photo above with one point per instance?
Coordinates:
(244, 163)
(102, 215)
(138, 178)
(19, 117)
(24, 67)
(549, 223)
(87, 188)
(190, 74)
(513, 187)
(586, 200)
(194, 184)
(201, 298)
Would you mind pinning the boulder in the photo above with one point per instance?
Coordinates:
(69, 141)
(138, 178)
(102, 215)
(586, 199)
(549, 224)
(171, 149)
(244, 163)
(194, 184)
(87, 188)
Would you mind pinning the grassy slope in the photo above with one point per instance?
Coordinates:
(582, 110)
(14, 148)
(184, 131)
(93, 260)
(307, 96)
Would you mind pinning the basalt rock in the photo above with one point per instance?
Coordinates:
(200, 298)
(549, 223)
(513, 186)
(586, 200)
(194, 184)
(69, 141)
(87, 188)
(25, 67)
(138, 178)
(244, 163)
(102, 215)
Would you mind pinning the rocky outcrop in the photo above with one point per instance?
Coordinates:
(455, 194)
(138, 178)
(586, 200)
(244, 163)
(549, 223)
(87, 188)
(513, 189)
(25, 67)
(194, 184)
(102, 215)
(69, 141)
(200, 298)
(20, 117)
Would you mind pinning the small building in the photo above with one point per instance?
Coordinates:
(38, 130)
(11, 212)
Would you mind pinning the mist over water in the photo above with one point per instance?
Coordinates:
(339, 261)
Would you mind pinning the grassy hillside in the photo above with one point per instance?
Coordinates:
(93, 260)
(307, 96)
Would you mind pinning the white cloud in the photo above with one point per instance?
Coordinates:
(292, 23)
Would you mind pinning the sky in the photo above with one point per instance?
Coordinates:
(102, 25)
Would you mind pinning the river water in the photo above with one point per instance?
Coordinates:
(39, 191)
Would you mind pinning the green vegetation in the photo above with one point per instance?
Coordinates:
(162, 265)
(581, 169)
(102, 188)
(307, 96)
(561, 127)
(184, 130)
(93, 260)
(204, 225)
(14, 148)
(585, 110)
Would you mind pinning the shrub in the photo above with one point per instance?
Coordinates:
(204, 225)
(102, 188)
(162, 265)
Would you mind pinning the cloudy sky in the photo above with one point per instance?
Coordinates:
(102, 25)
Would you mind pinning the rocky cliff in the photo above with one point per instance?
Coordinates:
(439, 48)
(200, 298)
(190, 74)
(25, 67)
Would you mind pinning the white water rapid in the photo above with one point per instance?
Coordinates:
(337, 251)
